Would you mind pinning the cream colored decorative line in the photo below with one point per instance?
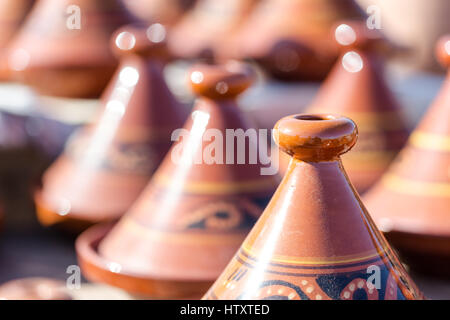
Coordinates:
(182, 237)
(430, 141)
(414, 187)
(319, 261)
(263, 184)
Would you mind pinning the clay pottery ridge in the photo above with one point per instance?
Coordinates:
(356, 88)
(167, 12)
(291, 39)
(12, 14)
(206, 31)
(411, 203)
(193, 215)
(63, 47)
(106, 165)
(34, 289)
(315, 240)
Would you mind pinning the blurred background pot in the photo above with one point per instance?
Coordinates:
(58, 57)
(106, 165)
(193, 215)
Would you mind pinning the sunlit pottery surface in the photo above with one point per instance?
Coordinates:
(411, 203)
(12, 14)
(106, 165)
(315, 239)
(63, 48)
(207, 30)
(292, 39)
(195, 213)
(356, 88)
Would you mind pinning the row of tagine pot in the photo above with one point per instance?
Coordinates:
(55, 56)
(77, 188)
(192, 218)
(192, 205)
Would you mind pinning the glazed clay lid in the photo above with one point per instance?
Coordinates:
(315, 240)
(34, 289)
(192, 217)
(106, 165)
(205, 31)
(414, 195)
(291, 39)
(63, 47)
(356, 88)
(12, 14)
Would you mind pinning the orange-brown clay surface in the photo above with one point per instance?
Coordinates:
(315, 239)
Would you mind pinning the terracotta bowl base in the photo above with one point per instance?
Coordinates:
(98, 269)
(424, 254)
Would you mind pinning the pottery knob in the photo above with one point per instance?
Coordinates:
(315, 137)
(354, 35)
(443, 51)
(220, 82)
(140, 40)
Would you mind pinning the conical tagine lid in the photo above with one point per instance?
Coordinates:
(315, 240)
(206, 30)
(192, 217)
(106, 165)
(412, 200)
(167, 12)
(291, 39)
(12, 14)
(63, 48)
(356, 88)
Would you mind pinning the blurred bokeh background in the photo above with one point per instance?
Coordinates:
(56, 59)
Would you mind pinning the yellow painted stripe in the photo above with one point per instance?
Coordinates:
(262, 184)
(319, 261)
(373, 121)
(370, 160)
(414, 187)
(430, 141)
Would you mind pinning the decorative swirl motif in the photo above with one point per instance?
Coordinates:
(358, 289)
(224, 215)
(279, 284)
(217, 215)
(279, 290)
(127, 157)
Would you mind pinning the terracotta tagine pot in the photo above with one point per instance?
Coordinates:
(12, 14)
(194, 214)
(206, 30)
(167, 12)
(356, 88)
(63, 48)
(291, 39)
(411, 202)
(106, 165)
(315, 240)
(34, 289)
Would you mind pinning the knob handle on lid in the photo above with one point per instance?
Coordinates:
(355, 35)
(315, 137)
(147, 41)
(225, 81)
